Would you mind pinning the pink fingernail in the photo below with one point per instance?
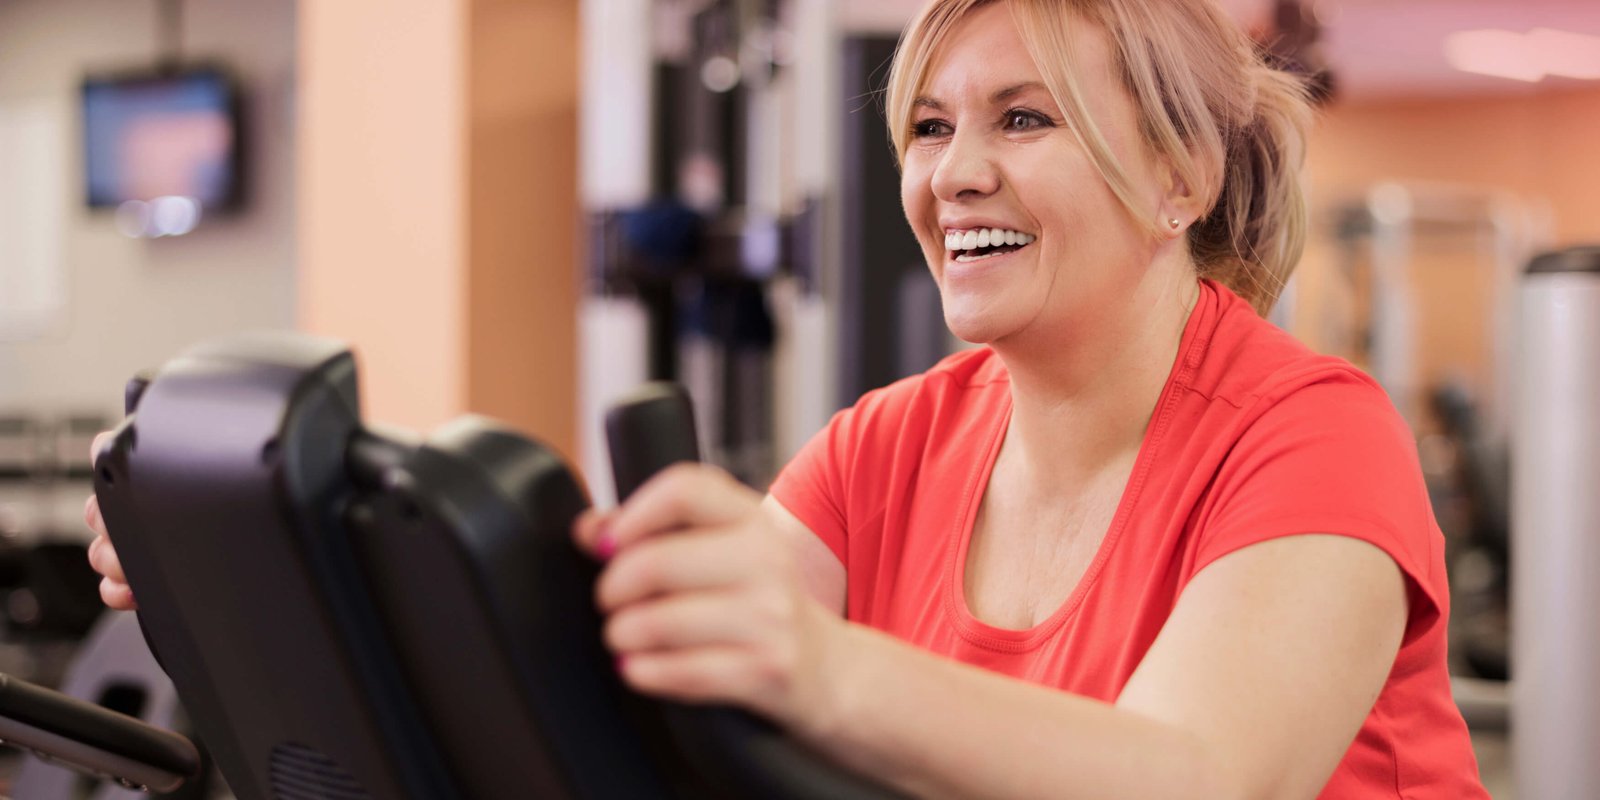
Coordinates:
(606, 545)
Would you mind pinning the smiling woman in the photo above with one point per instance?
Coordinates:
(1141, 543)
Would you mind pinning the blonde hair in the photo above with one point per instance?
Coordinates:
(1232, 127)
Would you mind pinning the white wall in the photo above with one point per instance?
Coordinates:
(133, 304)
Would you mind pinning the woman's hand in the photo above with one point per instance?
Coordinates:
(114, 588)
(705, 601)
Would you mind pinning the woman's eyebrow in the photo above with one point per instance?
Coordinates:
(1014, 90)
(924, 101)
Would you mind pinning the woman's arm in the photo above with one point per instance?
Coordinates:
(1254, 688)
(824, 576)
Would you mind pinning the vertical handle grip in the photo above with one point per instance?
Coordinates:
(648, 431)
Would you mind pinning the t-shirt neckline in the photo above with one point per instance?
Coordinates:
(1191, 348)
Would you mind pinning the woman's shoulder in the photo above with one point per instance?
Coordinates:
(954, 399)
(1295, 442)
(1249, 362)
(877, 447)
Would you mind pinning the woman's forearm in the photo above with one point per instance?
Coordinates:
(933, 727)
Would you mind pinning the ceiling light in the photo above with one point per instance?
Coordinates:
(1503, 54)
(1570, 55)
(1525, 56)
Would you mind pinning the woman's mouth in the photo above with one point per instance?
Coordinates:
(980, 243)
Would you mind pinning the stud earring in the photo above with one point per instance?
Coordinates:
(1174, 223)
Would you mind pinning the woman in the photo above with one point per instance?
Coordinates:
(1142, 544)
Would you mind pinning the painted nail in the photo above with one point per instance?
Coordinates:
(620, 663)
(606, 545)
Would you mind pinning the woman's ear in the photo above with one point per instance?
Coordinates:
(1181, 205)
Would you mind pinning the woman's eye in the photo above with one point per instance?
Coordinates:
(1021, 120)
(927, 128)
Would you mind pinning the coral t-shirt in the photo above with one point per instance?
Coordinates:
(1254, 437)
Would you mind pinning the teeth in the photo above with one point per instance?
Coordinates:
(985, 237)
(965, 257)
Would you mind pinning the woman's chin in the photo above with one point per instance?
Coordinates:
(972, 327)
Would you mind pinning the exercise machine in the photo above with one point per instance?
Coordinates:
(349, 612)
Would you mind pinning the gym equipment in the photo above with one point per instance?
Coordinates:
(93, 740)
(351, 613)
(114, 669)
(1555, 530)
(1425, 294)
(709, 202)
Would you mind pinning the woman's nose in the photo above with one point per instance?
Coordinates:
(965, 171)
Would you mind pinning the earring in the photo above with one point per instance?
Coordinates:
(1173, 221)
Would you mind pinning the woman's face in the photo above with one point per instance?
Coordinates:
(990, 149)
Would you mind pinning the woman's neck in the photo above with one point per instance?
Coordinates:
(1082, 400)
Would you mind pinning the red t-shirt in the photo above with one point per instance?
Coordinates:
(1254, 437)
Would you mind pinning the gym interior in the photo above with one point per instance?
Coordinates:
(524, 210)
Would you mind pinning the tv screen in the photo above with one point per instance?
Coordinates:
(162, 134)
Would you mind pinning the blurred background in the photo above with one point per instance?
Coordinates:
(523, 209)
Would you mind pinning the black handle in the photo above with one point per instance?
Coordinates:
(648, 431)
(93, 739)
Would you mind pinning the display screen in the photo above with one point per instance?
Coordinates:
(158, 135)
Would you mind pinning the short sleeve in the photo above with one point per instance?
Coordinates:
(1332, 457)
(813, 484)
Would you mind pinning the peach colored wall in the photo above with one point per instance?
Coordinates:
(523, 217)
(1538, 145)
(438, 205)
(382, 258)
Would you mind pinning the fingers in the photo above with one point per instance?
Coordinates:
(682, 495)
(706, 674)
(588, 530)
(117, 595)
(696, 619)
(714, 612)
(91, 516)
(114, 589)
(668, 564)
(103, 557)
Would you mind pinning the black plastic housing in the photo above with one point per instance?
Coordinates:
(347, 612)
(224, 493)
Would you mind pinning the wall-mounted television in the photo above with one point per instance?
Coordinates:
(163, 133)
